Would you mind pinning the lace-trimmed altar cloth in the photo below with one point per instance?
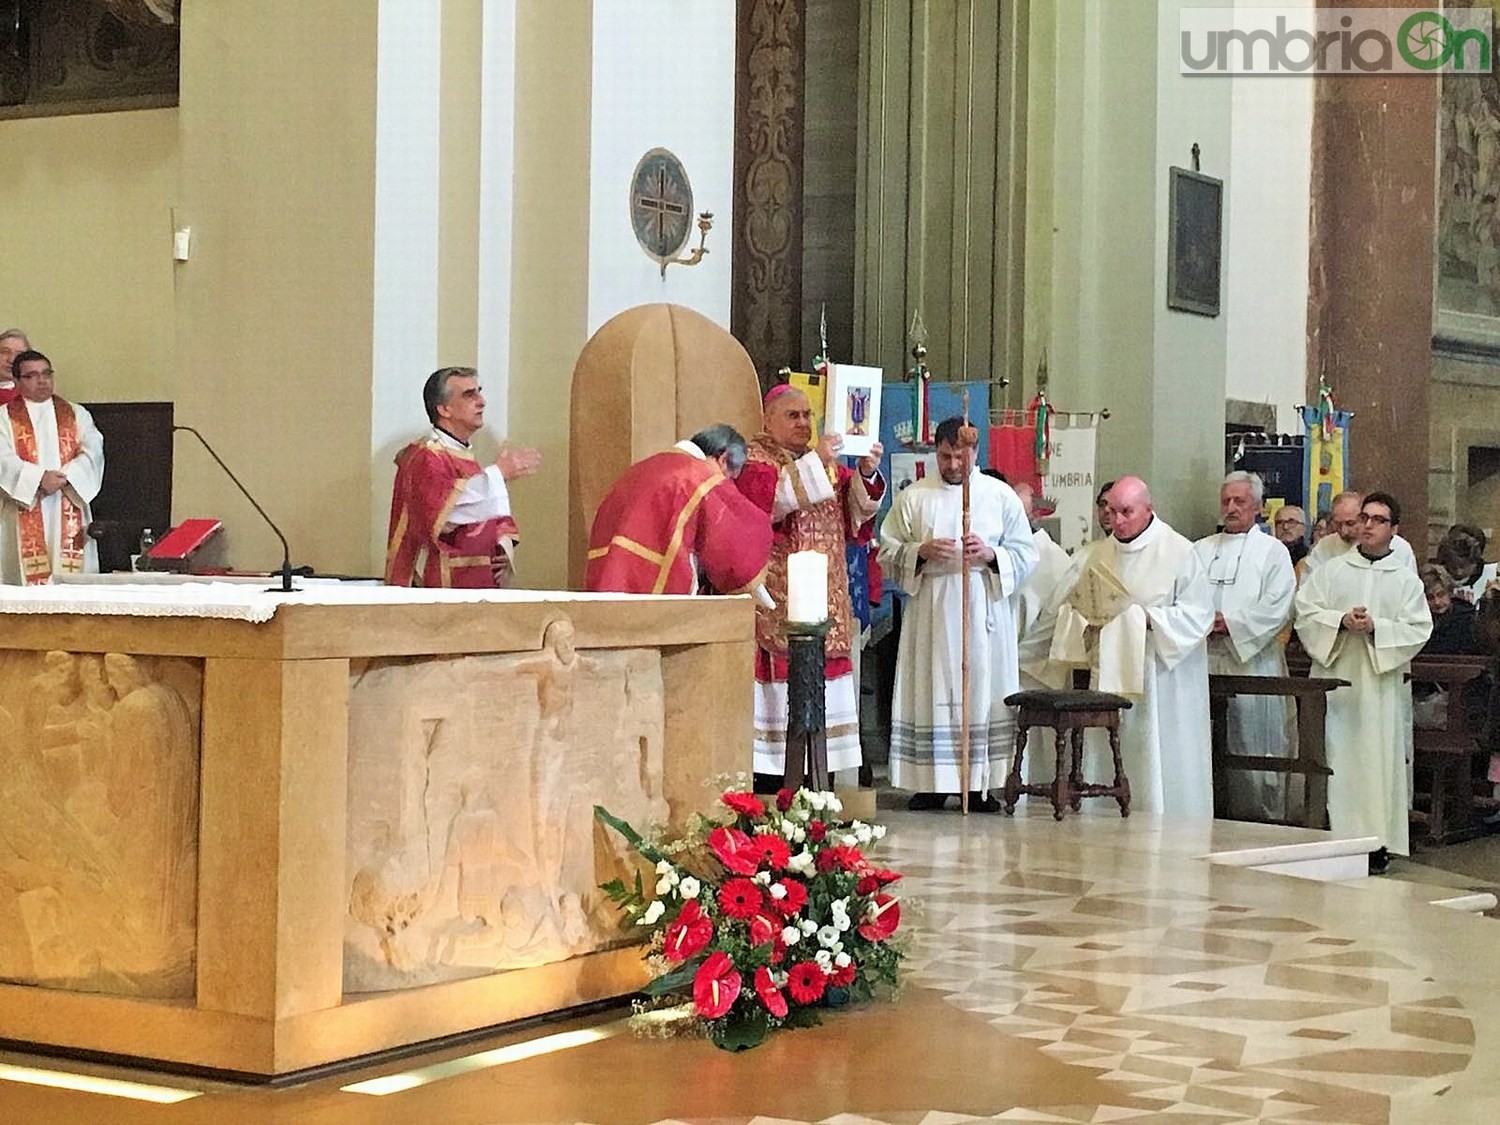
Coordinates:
(247, 600)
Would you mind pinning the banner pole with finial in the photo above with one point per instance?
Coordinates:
(968, 438)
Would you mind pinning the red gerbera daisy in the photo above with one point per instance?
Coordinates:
(881, 923)
(805, 981)
(794, 899)
(740, 898)
(769, 994)
(784, 799)
(735, 850)
(686, 934)
(774, 851)
(745, 804)
(716, 986)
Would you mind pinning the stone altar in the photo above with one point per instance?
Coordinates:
(345, 821)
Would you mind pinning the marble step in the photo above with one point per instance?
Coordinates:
(1329, 860)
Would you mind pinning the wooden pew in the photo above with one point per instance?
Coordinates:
(1311, 762)
(1452, 752)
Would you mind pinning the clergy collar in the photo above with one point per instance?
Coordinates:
(1139, 537)
(1372, 559)
(444, 434)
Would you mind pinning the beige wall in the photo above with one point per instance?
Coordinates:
(274, 310)
(85, 231)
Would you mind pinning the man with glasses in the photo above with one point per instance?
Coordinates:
(51, 467)
(1344, 517)
(1250, 575)
(1362, 617)
(1153, 650)
(1290, 526)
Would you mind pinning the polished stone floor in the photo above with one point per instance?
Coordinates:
(1096, 970)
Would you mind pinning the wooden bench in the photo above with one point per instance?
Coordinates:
(1446, 810)
(1450, 754)
(1311, 762)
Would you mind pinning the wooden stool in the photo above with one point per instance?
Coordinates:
(1065, 712)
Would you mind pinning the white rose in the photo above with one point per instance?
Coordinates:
(778, 891)
(664, 885)
(828, 937)
(801, 863)
(833, 803)
(841, 922)
(791, 935)
(689, 887)
(825, 961)
(763, 878)
(816, 801)
(799, 836)
(878, 831)
(653, 913)
(863, 834)
(841, 960)
(849, 841)
(808, 926)
(664, 867)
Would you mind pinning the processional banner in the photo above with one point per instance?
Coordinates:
(1326, 456)
(1064, 479)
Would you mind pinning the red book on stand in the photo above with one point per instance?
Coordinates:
(179, 543)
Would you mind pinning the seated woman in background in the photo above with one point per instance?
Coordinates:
(1452, 635)
(1461, 553)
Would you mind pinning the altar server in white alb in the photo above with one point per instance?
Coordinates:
(1362, 617)
(1154, 652)
(922, 547)
(1343, 517)
(51, 468)
(1250, 577)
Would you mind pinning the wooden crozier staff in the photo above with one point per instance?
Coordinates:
(968, 438)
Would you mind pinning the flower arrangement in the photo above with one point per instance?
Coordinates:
(761, 920)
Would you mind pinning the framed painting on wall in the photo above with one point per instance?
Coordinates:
(1195, 236)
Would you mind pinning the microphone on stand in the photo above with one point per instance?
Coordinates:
(286, 586)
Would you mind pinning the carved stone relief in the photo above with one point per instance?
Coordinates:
(472, 781)
(99, 822)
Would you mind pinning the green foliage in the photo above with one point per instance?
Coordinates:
(742, 1029)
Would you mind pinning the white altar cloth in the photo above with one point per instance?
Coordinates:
(253, 602)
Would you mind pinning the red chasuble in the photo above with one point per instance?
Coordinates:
(665, 512)
(430, 476)
(820, 526)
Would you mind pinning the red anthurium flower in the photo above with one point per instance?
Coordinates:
(746, 804)
(740, 898)
(843, 978)
(805, 981)
(886, 917)
(769, 994)
(764, 928)
(716, 986)
(686, 934)
(784, 799)
(817, 831)
(735, 850)
(774, 851)
(794, 899)
(851, 859)
(886, 875)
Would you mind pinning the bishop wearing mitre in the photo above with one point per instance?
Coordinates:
(1137, 608)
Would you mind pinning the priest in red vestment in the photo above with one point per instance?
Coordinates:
(815, 504)
(12, 343)
(675, 521)
(451, 524)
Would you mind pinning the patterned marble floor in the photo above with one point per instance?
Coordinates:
(1097, 970)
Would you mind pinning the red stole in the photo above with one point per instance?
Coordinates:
(419, 552)
(36, 560)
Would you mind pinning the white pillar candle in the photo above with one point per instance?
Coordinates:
(807, 586)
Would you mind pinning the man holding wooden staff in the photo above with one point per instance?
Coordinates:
(923, 548)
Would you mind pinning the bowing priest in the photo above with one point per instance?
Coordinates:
(1362, 617)
(676, 520)
(1344, 519)
(923, 548)
(451, 524)
(1136, 607)
(51, 468)
(1250, 577)
(814, 504)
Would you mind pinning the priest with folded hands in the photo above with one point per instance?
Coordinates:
(1137, 608)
